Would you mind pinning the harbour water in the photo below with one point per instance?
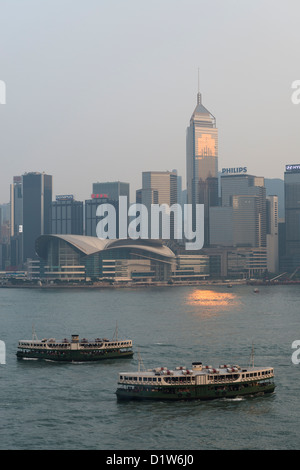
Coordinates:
(47, 405)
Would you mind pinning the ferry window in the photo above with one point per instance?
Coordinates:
(159, 379)
(140, 379)
(121, 377)
(154, 379)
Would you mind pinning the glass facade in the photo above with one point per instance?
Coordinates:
(91, 219)
(292, 212)
(246, 194)
(63, 261)
(118, 263)
(81, 258)
(37, 198)
(67, 217)
(112, 190)
(191, 267)
(202, 162)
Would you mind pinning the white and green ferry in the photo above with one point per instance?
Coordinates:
(75, 349)
(199, 382)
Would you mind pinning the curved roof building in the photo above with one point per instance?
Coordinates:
(80, 257)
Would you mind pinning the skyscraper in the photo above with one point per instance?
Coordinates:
(162, 182)
(37, 198)
(112, 190)
(104, 193)
(241, 219)
(66, 215)
(91, 217)
(202, 161)
(236, 191)
(272, 234)
(292, 213)
(16, 222)
(158, 187)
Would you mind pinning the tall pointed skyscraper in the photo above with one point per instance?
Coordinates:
(202, 161)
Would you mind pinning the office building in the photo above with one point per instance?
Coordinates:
(66, 215)
(202, 162)
(112, 190)
(241, 219)
(272, 234)
(90, 213)
(292, 210)
(236, 262)
(16, 222)
(37, 198)
(238, 228)
(162, 182)
(159, 187)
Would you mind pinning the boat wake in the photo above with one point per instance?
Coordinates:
(234, 399)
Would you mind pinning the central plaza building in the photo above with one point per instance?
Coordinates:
(202, 162)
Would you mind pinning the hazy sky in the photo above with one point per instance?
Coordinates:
(101, 90)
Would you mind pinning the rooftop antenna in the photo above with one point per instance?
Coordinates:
(198, 94)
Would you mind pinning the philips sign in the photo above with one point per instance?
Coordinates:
(234, 171)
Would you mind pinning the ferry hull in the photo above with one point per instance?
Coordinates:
(74, 356)
(202, 392)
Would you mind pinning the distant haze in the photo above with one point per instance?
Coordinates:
(103, 90)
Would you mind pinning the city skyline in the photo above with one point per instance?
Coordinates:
(66, 91)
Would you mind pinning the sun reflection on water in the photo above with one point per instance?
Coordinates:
(211, 299)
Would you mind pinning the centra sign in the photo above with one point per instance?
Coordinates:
(233, 171)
